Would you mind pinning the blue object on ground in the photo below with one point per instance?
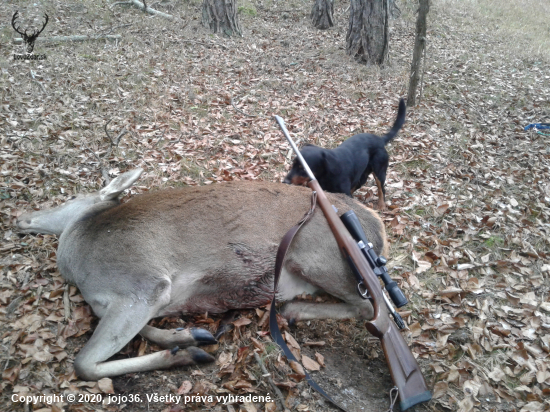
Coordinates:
(538, 126)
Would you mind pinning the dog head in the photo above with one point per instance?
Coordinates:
(318, 160)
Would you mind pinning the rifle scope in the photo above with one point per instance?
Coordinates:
(377, 263)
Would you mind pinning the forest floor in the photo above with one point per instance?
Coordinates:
(468, 190)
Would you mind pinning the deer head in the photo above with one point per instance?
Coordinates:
(29, 39)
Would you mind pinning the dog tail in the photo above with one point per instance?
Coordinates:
(398, 122)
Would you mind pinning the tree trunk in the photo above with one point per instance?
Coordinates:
(322, 14)
(368, 37)
(221, 16)
(419, 46)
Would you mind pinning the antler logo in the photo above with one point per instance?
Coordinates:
(29, 39)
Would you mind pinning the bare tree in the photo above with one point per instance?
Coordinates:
(419, 49)
(368, 36)
(221, 16)
(322, 14)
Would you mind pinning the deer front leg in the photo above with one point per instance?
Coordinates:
(180, 338)
(122, 321)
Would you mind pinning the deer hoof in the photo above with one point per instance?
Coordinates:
(200, 356)
(203, 337)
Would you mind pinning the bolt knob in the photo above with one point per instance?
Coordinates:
(381, 261)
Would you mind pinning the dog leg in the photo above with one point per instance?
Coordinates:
(381, 193)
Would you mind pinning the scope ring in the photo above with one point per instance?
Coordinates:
(363, 293)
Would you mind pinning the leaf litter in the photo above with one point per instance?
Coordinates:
(468, 189)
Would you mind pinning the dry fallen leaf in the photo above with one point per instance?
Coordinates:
(320, 358)
(310, 364)
(106, 385)
(296, 367)
(441, 388)
(184, 388)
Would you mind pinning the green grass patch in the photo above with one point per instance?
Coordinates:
(494, 241)
(248, 8)
(89, 57)
(271, 347)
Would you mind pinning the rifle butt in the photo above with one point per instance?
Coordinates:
(404, 369)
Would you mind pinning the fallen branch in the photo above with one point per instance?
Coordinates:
(145, 8)
(466, 266)
(279, 396)
(114, 37)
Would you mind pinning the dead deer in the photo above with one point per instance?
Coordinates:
(194, 250)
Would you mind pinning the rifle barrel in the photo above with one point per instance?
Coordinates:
(293, 145)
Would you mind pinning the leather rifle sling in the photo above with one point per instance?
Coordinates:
(273, 326)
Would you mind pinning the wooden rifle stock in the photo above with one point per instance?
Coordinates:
(404, 369)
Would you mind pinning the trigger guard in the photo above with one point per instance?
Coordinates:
(363, 293)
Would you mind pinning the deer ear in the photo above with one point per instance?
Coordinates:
(121, 183)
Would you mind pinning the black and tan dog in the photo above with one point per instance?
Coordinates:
(346, 168)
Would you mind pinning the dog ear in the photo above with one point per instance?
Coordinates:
(332, 166)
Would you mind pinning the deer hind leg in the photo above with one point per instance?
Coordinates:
(330, 274)
(298, 311)
(181, 338)
(121, 321)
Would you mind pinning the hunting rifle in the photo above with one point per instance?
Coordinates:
(404, 369)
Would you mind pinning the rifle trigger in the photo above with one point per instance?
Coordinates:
(363, 293)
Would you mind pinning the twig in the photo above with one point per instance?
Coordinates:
(279, 396)
(117, 140)
(143, 6)
(19, 40)
(104, 172)
(177, 141)
(36, 81)
(114, 143)
(66, 303)
(161, 137)
(118, 3)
